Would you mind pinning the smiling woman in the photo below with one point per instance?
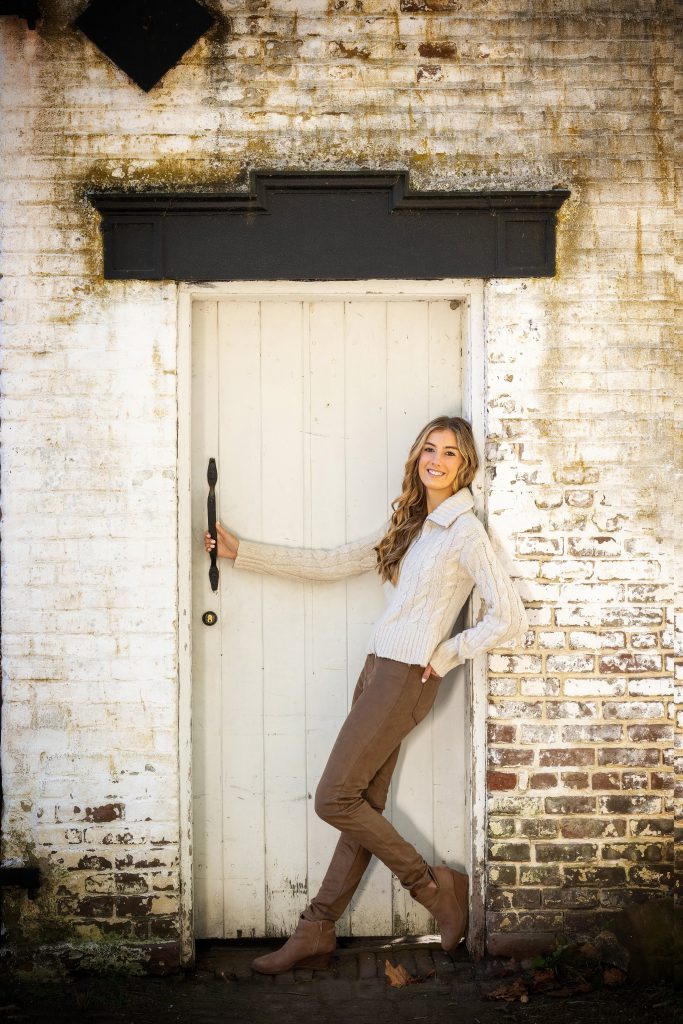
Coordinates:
(432, 552)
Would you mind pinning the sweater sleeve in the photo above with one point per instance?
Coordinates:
(505, 619)
(310, 563)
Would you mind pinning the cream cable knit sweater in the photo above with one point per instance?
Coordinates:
(450, 555)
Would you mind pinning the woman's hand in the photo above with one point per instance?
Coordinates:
(227, 542)
(429, 671)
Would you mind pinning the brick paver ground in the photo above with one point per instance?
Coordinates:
(354, 990)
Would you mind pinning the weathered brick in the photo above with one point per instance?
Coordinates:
(93, 906)
(634, 780)
(501, 780)
(522, 921)
(501, 733)
(502, 687)
(540, 687)
(579, 499)
(538, 733)
(594, 875)
(593, 547)
(133, 906)
(571, 756)
(651, 687)
(577, 474)
(537, 828)
(569, 804)
(518, 805)
(583, 640)
(551, 639)
(623, 804)
(560, 898)
(592, 828)
(506, 757)
(652, 827)
(129, 882)
(654, 876)
(591, 733)
(509, 851)
(594, 687)
(630, 661)
(644, 641)
(501, 874)
(661, 780)
(164, 927)
(529, 544)
(566, 851)
(508, 899)
(633, 709)
(537, 874)
(571, 709)
(606, 617)
(102, 813)
(499, 828)
(515, 709)
(518, 663)
(651, 853)
(629, 755)
(575, 780)
(566, 663)
(542, 780)
(606, 780)
(92, 862)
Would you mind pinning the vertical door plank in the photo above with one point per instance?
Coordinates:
(407, 412)
(207, 748)
(327, 665)
(239, 384)
(448, 728)
(283, 617)
(445, 359)
(366, 510)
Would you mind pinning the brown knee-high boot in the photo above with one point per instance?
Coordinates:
(447, 900)
(311, 945)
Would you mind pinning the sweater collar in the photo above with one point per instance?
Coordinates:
(449, 510)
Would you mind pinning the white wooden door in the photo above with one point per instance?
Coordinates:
(309, 408)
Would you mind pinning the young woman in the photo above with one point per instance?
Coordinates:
(433, 550)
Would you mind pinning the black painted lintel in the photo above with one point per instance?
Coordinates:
(328, 226)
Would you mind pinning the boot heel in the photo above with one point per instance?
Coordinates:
(319, 962)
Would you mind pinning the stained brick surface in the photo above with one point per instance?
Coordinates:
(580, 421)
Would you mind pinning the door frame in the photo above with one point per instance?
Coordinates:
(469, 291)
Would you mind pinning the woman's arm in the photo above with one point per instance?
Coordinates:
(306, 563)
(505, 618)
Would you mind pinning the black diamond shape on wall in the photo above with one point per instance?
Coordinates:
(145, 38)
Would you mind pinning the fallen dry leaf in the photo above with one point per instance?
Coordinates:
(397, 976)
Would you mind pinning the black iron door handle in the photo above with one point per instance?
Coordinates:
(212, 478)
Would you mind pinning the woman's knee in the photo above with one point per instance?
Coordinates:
(327, 805)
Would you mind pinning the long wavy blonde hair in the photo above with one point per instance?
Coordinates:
(410, 508)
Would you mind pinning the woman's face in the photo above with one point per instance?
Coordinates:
(439, 462)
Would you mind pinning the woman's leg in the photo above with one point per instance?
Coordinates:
(390, 701)
(350, 859)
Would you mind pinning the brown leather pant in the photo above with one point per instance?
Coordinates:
(389, 700)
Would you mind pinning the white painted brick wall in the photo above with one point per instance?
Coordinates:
(580, 446)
